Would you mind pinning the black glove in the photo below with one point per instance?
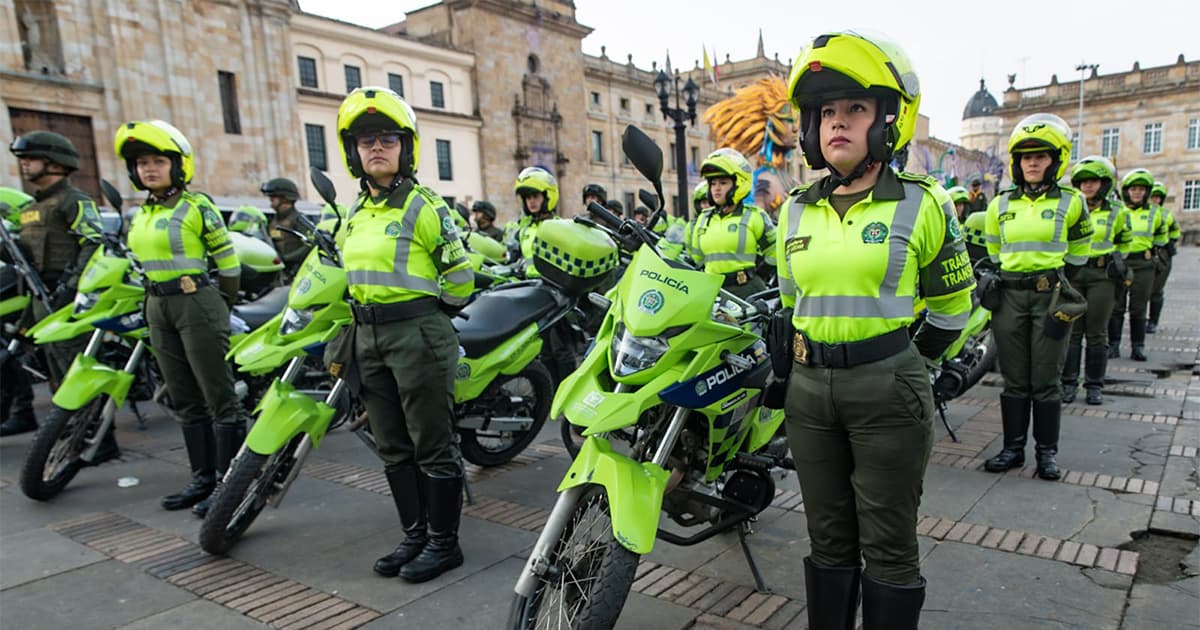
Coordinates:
(229, 285)
(932, 341)
(1116, 266)
(1171, 249)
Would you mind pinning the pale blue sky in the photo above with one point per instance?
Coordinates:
(952, 44)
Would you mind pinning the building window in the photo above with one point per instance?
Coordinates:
(445, 170)
(1152, 140)
(597, 146)
(1194, 133)
(1109, 140)
(229, 106)
(308, 71)
(437, 96)
(1074, 145)
(314, 139)
(629, 204)
(675, 203)
(672, 152)
(624, 104)
(595, 99)
(396, 83)
(1191, 195)
(696, 157)
(353, 78)
(649, 110)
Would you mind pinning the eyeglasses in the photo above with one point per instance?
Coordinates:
(387, 139)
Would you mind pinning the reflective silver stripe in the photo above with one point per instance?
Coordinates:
(1034, 246)
(743, 230)
(889, 305)
(1149, 231)
(948, 322)
(738, 257)
(399, 277)
(226, 253)
(1058, 243)
(1074, 260)
(1060, 215)
(177, 264)
(992, 239)
(175, 230)
(461, 276)
(786, 286)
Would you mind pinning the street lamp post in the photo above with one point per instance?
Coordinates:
(678, 114)
(1082, 68)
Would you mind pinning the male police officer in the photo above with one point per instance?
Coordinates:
(282, 194)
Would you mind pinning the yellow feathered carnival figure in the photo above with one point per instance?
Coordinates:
(758, 121)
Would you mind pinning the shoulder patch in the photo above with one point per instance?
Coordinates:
(917, 177)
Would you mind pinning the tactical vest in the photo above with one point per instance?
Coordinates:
(46, 226)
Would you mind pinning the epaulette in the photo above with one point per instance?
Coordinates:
(429, 196)
(925, 180)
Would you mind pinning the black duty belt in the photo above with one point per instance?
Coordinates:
(1040, 281)
(738, 278)
(183, 285)
(843, 355)
(1100, 262)
(394, 312)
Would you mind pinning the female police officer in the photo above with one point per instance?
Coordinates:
(1149, 229)
(171, 234)
(1033, 229)
(729, 238)
(860, 245)
(407, 269)
(1099, 279)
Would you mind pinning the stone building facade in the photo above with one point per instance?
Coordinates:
(83, 68)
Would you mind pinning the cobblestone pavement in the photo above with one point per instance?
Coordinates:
(1113, 545)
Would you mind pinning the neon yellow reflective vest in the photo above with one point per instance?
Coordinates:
(727, 243)
(1148, 227)
(405, 246)
(860, 276)
(1173, 232)
(1040, 234)
(1110, 229)
(525, 237)
(172, 238)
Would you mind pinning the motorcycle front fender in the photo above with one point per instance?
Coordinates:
(635, 491)
(284, 413)
(88, 378)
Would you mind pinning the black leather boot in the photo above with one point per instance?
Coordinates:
(201, 450)
(1156, 306)
(1137, 339)
(1014, 417)
(891, 606)
(108, 448)
(832, 595)
(1095, 364)
(1115, 325)
(442, 552)
(408, 493)
(1070, 373)
(1047, 417)
(19, 422)
(229, 438)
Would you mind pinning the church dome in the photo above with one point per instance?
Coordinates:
(982, 103)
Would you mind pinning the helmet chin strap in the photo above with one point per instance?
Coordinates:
(838, 180)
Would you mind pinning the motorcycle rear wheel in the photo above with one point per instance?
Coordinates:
(589, 577)
(53, 458)
(244, 495)
(491, 448)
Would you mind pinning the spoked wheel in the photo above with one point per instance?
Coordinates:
(53, 458)
(527, 393)
(244, 495)
(588, 575)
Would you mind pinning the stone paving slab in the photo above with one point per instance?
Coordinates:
(39, 553)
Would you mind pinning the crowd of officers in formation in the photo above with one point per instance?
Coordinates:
(858, 256)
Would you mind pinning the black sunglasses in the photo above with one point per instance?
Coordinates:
(388, 139)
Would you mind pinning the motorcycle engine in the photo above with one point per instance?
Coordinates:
(687, 465)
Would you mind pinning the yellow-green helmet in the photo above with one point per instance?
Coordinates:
(1159, 189)
(1038, 133)
(1137, 177)
(537, 179)
(377, 109)
(139, 137)
(729, 163)
(700, 195)
(1095, 167)
(248, 220)
(958, 194)
(852, 63)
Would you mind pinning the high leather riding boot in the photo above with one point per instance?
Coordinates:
(1047, 417)
(1095, 364)
(891, 606)
(19, 422)
(1070, 373)
(201, 450)
(1137, 339)
(408, 493)
(1014, 417)
(108, 448)
(229, 438)
(1156, 306)
(442, 552)
(1115, 325)
(832, 595)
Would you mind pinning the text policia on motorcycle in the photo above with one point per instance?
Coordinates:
(403, 344)
(858, 96)
(57, 258)
(172, 234)
(1039, 233)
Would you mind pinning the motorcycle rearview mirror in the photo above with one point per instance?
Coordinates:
(111, 194)
(648, 199)
(324, 187)
(646, 156)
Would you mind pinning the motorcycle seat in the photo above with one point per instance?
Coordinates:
(257, 313)
(497, 315)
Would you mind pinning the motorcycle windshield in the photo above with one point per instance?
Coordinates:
(656, 295)
(318, 282)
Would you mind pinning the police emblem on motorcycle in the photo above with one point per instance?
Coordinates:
(701, 388)
(463, 372)
(875, 232)
(651, 302)
(304, 286)
(392, 229)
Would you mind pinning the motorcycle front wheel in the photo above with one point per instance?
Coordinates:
(251, 483)
(53, 458)
(533, 390)
(588, 576)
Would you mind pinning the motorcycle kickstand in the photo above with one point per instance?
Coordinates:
(743, 529)
(141, 420)
(941, 408)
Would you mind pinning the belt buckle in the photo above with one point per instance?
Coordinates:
(187, 285)
(741, 278)
(1147, 255)
(1100, 262)
(800, 349)
(1043, 284)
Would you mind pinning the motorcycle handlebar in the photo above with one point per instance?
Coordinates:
(605, 216)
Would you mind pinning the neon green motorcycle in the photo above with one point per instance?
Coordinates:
(669, 400)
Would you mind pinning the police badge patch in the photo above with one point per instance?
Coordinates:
(1047, 214)
(392, 229)
(875, 232)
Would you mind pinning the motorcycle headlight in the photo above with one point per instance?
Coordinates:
(85, 302)
(294, 321)
(630, 354)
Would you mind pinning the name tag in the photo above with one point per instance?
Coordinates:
(30, 216)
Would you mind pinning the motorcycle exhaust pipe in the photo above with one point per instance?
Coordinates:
(495, 423)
